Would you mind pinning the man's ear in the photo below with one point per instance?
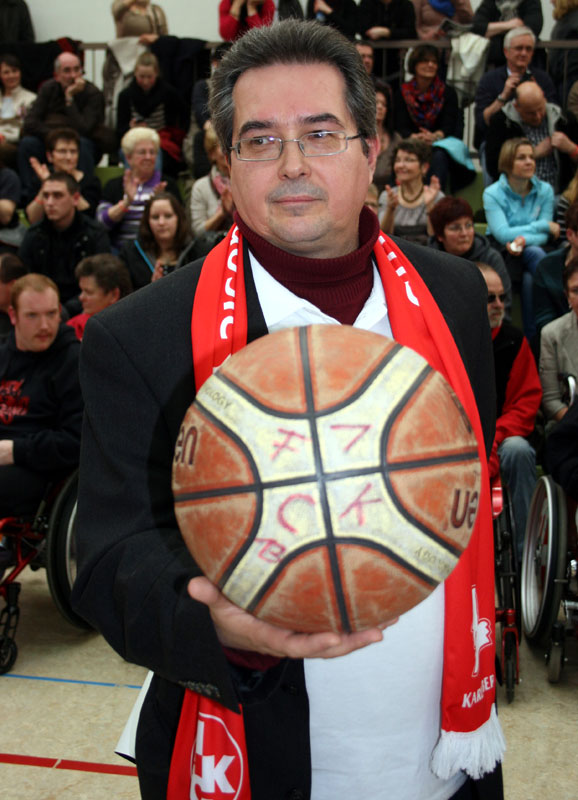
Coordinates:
(76, 197)
(12, 314)
(116, 294)
(373, 145)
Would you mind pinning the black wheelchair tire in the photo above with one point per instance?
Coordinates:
(61, 552)
(8, 654)
(543, 560)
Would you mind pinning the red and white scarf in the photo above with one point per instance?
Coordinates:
(471, 738)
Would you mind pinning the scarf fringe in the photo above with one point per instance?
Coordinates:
(475, 752)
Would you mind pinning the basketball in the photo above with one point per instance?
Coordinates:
(326, 479)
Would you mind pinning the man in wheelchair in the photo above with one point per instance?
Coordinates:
(40, 400)
(518, 395)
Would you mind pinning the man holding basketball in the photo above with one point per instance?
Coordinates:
(377, 714)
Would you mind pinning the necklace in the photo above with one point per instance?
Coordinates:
(410, 199)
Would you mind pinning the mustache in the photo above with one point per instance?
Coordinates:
(295, 189)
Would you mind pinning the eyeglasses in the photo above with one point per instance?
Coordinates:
(492, 297)
(467, 226)
(269, 148)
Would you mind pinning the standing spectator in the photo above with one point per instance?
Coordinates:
(494, 18)
(149, 101)
(103, 280)
(365, 51)
(390, 20)
(559, 350)
(56, 244)
(236, 17)
(404, 209)
(66, 101)
(519, 209)
(566, 15)
(139, 18)
(555, 139)
(498, 86)
(550, 301)
(124, 197)
(430, 14)
(341, 14)
(163, 237)
(62, 150)
(426, 108)
(388, 137)
(15, 101)
(15, 22)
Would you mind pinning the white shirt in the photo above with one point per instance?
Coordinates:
(374, 714)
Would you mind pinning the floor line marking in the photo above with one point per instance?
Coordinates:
(68, 764)
(71, 680)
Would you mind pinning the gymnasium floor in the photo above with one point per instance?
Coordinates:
(65, 702)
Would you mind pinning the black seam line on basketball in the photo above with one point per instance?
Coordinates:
(376, 371)
(258, 494)
(321, 488)
(349, 540)
(424, 373)
(376, 470)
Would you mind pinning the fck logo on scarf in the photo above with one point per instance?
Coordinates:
(218, 769)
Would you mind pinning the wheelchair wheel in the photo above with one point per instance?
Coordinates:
(61, 552)
(543, 560)
(8, 653)
(506, 568)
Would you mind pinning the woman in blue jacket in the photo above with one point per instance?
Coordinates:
(519, 209)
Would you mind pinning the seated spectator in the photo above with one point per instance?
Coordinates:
(519, 210)
(566, 199)
(452, 221)
(391, 20)
(427, 109)
(404, 209)
(365, 51)
(559, 350)
(149, 101)
(518, 395)
(211, 199)
(388, 138)
(554, 138)
(62, 150)
(493, 19)
(15, 101)
(124, 197)
(562, 453)
(550, 301)
(11, 268)
(236, 17)
(340, 14)
(40, 397)
(431, 14)
(56, 244)
(139, 18)
(498, 86)
(11, 231)
(163, 237)
(15, 22)
(372, 198)
(563, 64)
(66, 101)
(103, 280)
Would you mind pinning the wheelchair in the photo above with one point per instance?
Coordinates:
(508, 614)
(46, 539)
(549, 573)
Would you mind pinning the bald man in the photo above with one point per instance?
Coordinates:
(555, 137)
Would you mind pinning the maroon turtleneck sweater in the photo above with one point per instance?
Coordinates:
(337, 286)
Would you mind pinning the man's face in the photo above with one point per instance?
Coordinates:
(306, 206)
(59, 204)
(519, 53)
(36, 319)
(366, 53)
(496, 298)
(533, 110)
(69, 69)
(64, 157)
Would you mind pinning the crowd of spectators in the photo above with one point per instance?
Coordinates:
(97, 243)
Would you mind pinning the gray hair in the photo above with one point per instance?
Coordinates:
(135, 136)
(515, 32)
(292, 41)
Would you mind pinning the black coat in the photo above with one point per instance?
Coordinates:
(137, 377)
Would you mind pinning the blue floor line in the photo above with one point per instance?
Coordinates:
(70, 680)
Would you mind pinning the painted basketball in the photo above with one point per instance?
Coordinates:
(326, 478)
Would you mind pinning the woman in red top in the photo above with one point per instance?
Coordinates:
(236, 17)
